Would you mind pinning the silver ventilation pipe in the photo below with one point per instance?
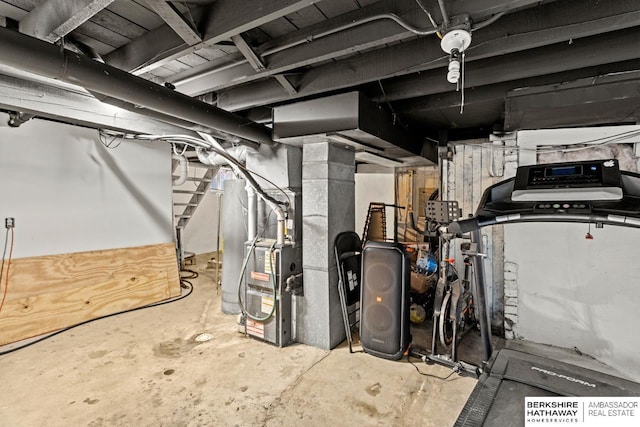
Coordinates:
(173, 120)
(42, 58)
(79, 47)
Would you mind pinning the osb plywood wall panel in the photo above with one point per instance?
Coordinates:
(51, 292)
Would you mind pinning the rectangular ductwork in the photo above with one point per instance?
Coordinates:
(352, 119)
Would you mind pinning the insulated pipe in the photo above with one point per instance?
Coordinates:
(211, 158)
(39, 57)
(183, 169)
(239, 153)
(273, 204)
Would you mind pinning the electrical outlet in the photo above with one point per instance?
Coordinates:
(9, 222)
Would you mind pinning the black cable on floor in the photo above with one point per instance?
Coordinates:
(428, 375)
(192, 274)
(184, 284)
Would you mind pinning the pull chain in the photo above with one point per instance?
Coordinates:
(462, 89)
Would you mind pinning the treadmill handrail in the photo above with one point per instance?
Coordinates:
(467, 225)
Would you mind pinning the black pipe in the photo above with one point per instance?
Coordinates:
(42, 58)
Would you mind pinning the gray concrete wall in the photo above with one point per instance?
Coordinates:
(328, 203)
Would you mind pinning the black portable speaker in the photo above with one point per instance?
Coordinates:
(384, 300)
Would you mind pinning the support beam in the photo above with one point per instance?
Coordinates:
(224, 18)
(257, 64)
(431, 104)
(573, 98)
(77, 107)
(10, 12)
(248, 53)
(322, 42)
(611, 48)
(606, 99)
(54, 19)
(517, 32)
(286, 84)
(174, 19)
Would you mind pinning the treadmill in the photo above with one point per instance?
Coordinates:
(594, 192)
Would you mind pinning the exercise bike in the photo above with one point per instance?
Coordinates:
(454, 312)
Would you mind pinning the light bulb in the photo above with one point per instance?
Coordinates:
(454, 71)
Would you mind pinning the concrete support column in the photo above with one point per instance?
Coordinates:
(328, 206)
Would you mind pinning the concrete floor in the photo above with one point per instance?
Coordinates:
(146, 368)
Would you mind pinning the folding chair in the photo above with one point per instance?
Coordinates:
(348, 249)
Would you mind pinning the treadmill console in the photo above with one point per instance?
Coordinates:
(567, 182)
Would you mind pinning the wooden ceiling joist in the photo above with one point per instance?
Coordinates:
(174, 19)
(517, 32)
(54, 19)
(220, 21)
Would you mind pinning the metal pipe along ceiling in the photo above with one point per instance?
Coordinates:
(173, 120)
(39, 57)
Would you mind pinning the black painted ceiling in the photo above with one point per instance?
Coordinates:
(531, 64)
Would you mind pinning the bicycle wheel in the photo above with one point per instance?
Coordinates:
(445, 325)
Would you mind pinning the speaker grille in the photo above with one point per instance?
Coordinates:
(379, 319)
(380, 275)
(385, 272)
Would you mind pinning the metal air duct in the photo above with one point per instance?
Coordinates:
(39, 57)
(353, 120)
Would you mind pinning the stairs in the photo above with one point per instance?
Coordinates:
(188, 196)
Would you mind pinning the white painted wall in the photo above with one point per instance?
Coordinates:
(573, 292)
(373, 187)
(68, 193)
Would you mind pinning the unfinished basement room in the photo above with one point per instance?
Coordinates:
(283, 213)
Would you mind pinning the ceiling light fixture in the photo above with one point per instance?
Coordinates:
(455, 42)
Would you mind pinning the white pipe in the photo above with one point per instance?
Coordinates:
(280, 235)
(183, 169)
(239, 153)
(4, 119)
(274, 206)
(203, 156)
(209, 144)
(252, 213)
(211, 158)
